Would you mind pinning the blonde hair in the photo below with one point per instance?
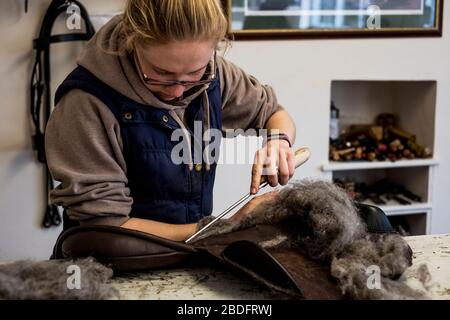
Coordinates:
(163, 21)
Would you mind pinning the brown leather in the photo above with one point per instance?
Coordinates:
(284, 269)
(122, 249)
(309, 279)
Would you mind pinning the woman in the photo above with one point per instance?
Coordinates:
(145, 75)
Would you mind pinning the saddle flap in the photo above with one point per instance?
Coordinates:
(282, 268)
(254, 260)
(121, 249)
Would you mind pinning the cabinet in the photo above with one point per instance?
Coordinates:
(414, 105)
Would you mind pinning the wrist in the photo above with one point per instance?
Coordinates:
(190, 230)
(278, 136)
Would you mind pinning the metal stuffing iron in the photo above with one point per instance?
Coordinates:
(301, 156)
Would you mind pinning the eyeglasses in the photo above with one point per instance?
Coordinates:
(207, 77)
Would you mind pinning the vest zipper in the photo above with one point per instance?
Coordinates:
(189, 182)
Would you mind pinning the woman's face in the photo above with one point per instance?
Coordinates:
(175, 61)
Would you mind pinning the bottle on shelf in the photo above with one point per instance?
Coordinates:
(334, 123)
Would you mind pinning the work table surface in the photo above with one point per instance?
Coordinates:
(218, 283)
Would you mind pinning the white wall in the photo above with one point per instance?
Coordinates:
(21, 177)
(301, 72)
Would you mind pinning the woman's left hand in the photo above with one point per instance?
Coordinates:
(275, 161)
(252, 204)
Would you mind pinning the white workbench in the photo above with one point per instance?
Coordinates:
(214, 283)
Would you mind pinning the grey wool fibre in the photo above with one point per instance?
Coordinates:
(48, 280)
(327, 227)
(391, 255)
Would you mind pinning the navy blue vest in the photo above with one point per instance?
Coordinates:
(161, 190)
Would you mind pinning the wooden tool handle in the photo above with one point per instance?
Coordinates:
(301, 156)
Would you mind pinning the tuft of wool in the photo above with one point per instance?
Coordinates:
(48, 280)
(371, 268)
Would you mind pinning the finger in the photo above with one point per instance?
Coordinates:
(291, 163)
(283, 169)
(257, 170)
(271, 166)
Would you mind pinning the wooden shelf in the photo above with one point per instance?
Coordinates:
(398, 210)
(366, 165)
(392, 208)
(413, 104)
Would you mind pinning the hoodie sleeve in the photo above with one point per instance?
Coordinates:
(246, 103)
(84, 152)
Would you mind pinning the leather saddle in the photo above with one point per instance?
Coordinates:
(280, 268)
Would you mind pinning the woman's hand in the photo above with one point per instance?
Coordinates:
(275, 161)
(252, 204)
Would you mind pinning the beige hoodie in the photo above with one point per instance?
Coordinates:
(83, 142)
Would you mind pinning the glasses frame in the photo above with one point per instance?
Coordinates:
(170, 83)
